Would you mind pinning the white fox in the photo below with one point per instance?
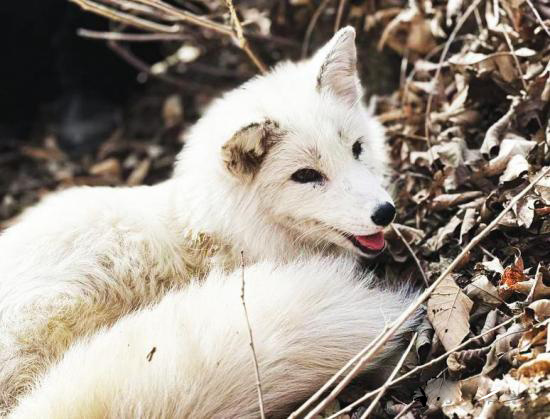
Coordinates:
(288, 162)
(189, 356)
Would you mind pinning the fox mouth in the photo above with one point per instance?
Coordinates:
(371, 244)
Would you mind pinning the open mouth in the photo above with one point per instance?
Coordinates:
(373, 243)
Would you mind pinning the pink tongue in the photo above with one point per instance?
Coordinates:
(372, 242)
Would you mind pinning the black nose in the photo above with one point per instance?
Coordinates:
(383, 215)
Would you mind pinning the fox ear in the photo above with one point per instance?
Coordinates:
(337, 66)
(244, 152)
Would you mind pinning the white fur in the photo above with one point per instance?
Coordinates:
(84, 257)
(308, 318)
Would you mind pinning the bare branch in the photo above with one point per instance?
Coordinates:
(450, 40)
(251, 343)
(390, 378)
(419, 368)
(131, 37)
(241, 40)
(311, 26)
(411, 251)
(166, 12)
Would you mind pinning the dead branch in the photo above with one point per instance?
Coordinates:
(131, 37)
(251, 343)
(339, 14)
(316, 15)
(390, 378)
(411, 251)
(331, 381)
(241, 40)
(539, 19)
(168, 13)
(459, 24)
(419, 368)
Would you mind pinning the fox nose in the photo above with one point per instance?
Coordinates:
(384, 214)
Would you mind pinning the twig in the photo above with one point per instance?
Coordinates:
(311, 26)
(405, 410)
(390, 378)
(127, 18)
(487, 252)
(515, 57)
(140, 65)
(251, 343)
(537, 15)
(187, 17)
(411, 251)
(520, 71)
(241, 40)
(331, 381)
(339, 14)
(381, 339)
(131, 37)
(419, 368)
(460, 22)
(405, 135)
(168, 12)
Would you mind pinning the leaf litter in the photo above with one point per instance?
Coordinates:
(467, 130)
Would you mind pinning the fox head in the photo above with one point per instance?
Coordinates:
(297, 151)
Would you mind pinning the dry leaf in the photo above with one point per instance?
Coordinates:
(108, 167)
(537, 367)
(448, 311)
(541, 308)
(539, 289)
(445, 201)
(481, 289)
(516, 168)
(441, 392)
(497, 130)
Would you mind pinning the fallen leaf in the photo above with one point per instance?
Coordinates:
(496, 131)
(541, 308)
(481, 289)
(448, 311)
(441, 392)
(537, 367)
(516, 168)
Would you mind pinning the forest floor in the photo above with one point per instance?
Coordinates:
(465, 97)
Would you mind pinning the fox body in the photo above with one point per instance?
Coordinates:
(189, 355)
(290, 162)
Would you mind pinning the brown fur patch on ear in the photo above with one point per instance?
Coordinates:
(244, 152)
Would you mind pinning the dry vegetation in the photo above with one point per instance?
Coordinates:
(464, 89)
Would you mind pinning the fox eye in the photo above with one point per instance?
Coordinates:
(307, 175)
(356, 149)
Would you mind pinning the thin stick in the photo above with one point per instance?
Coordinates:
(422, 367)
(241, 40)
(140, 65)
(537, 15)
(339, 14)
(390, 378)
(127, 18)
(187, 17)
(460, 22)
(405, 410)
(331, 381)
(515, 57)
(411, 251)
(131, 37)
(396, 324)
(168, 12)
(311, 26)
(251, 343)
